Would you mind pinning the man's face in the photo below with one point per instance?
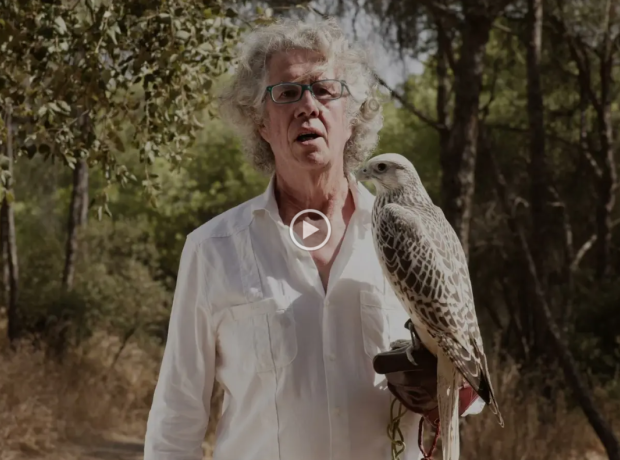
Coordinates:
(284, 123)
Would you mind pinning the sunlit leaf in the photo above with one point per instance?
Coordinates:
(64, 106)
(182, 34)
(61, 26)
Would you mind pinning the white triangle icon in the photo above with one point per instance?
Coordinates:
(308, 229)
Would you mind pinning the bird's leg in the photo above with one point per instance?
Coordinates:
(415, 343)
(409, 354)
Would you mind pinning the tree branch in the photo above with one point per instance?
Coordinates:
(445, 41)
(552, 137)
(411, 108)
(505, 29)
(514, 320)
(485, 109)
(493, 315)
(520, 130)
(579, 53)
(437, 9)
(569, 249)
(566, 225)
(598, 172)
(582, 252)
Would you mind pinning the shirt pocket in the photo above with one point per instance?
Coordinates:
(383, 322)
(269, 330)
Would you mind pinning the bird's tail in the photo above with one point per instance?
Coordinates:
(485, 388)
(448, 380)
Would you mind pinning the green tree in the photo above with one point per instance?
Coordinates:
(79, 74)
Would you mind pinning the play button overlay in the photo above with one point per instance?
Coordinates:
(310, 230)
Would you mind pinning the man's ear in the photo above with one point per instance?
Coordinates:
(349, 129)
(264, 132)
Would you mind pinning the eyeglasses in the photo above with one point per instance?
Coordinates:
(323, 90)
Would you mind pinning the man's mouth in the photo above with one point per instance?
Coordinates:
(307, 137)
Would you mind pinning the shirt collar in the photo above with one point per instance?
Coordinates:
(266, 202)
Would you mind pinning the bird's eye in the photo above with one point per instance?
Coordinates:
(381, 167)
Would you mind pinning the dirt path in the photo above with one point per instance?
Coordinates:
(105, 447)
(112, 448)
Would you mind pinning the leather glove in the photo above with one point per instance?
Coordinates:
(415, 385)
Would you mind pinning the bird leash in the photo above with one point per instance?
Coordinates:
(396, 435)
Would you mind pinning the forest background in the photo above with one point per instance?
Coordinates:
(112, 153)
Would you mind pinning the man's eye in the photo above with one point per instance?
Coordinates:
(321, 90)
(289, 94)
(324, 90)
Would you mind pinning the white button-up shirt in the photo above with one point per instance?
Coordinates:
(295, 361)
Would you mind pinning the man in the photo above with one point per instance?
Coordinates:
(290, 334)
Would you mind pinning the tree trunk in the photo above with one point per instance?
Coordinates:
(539, 171)
(606, 197)
(458, 161)
(444, 48)
(8, 241)
(78, 214)
(538, 167)
(608, 179)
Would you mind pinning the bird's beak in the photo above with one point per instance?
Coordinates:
(363, 173)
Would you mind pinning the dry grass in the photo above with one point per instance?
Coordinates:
(536, 428)
(45, 403)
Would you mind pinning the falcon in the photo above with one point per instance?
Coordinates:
(424, 262)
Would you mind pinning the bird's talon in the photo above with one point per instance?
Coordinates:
(415, 342)
(410, 357)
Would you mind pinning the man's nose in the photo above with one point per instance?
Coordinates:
(307, 105)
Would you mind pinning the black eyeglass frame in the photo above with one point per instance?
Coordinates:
(304, 87)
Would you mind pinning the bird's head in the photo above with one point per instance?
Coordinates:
(391, 172)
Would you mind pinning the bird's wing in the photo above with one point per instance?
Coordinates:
(421, 265)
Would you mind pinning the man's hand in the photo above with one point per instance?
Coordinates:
(414, 384)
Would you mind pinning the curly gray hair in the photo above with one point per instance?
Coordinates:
(241, 100)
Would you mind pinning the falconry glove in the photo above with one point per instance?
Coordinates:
(411, 373)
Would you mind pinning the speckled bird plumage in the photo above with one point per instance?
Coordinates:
(423, 260)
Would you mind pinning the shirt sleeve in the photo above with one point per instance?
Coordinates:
(179, 412)
(410, 424)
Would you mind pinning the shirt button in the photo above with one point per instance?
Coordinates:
(337, 411)
(332, 357)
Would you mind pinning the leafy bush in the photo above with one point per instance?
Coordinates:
(596, 330)
(116, 288)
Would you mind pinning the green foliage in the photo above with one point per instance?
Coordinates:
(116, 286)
(405, 134)
(78, 74)
(214, 178)
(596, 329)
(127, 265)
